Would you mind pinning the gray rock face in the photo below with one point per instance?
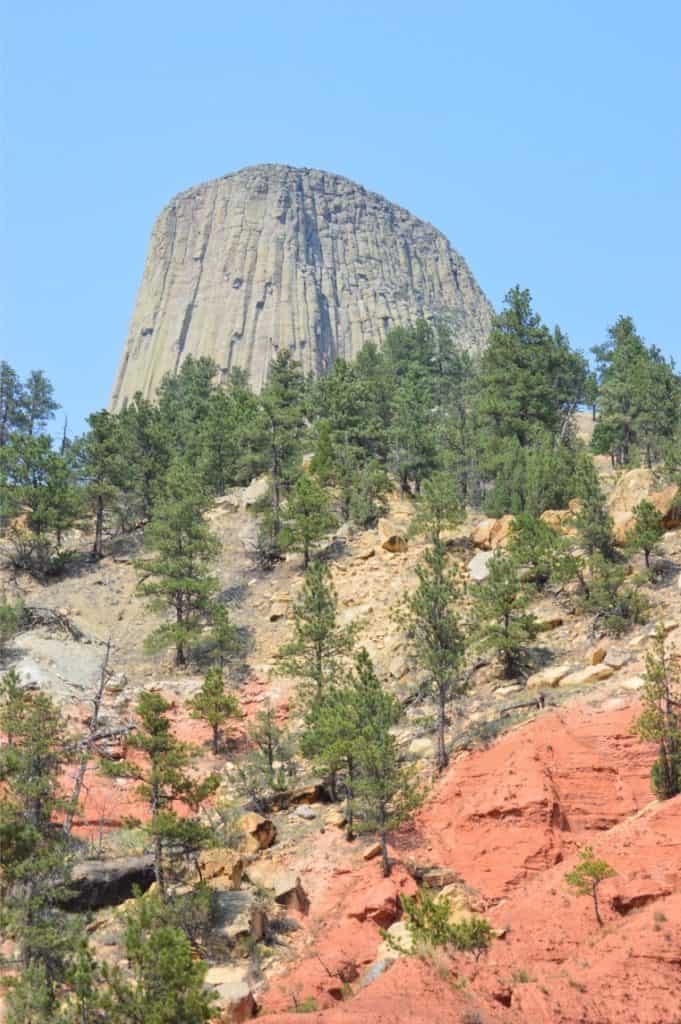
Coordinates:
(275, 257)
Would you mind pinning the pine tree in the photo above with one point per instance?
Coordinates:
(542, 553)
(104, 469)
(331, 737)
(163, 771)
(586, 877)
(214, 705)
(308, 517)
(277, 433)
(438, 637)
(224, 635)
(386, 791)
(146, 456)
(639, 395)
(593, 522)
(660, 719)
(177, 576)
(37, 402)
(501, 621)
(438, 507)
(10, 619)
(167, 985)
(647, 530)
(35, 861)
(318, 641)
(269, 766)
(11, 399)
(413, 452)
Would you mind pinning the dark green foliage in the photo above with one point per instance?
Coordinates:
(34, 859)
(501, 623)
(318, 642)
(413, 450)
(542, 553)
(437, 635)
(639, 397)
(39, 497)
(167, 981)
(164, 773)
(616, 604)
(429, 925)
(586, 877)
(177, 577)
(104, 469)
(10, 619)
(331, 736)
(530, 380)
(438, 507)
(542, 475)
(593, 521)
(226, 643)
(214, 705)
(660, 720)
(269, 767)
(307, 517)
(647, 530)
(386, 791)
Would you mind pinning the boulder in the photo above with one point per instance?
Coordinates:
(284, 885)
(372, 851)
(221, 868)
(560, 519)
(421, 747)
(392, 535)
(259, 832)
(238, 915)
(107, 883)
(492, 533)
(549, 677)
(478, 566)
(255, 492)
(397, 942)
(591, 674)
(641, 485)
(616, 657)
(235, 997)
(305, 812)
(598, 654)
(381, 905)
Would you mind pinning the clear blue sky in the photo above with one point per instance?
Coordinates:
(541, 137)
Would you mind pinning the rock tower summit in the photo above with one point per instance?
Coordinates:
(274, 257)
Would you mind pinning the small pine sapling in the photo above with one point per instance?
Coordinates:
(586, 877)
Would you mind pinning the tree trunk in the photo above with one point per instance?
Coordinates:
(92, 731)
(99, 524)
(646, 555)
(442, 759)
(385, 860)
(596, 908)
(216, 739)
(350, 795)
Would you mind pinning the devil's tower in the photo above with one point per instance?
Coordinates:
(274, 257)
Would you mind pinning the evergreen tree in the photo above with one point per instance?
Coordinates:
(308, 517)
(438, 637)
(331, 738)
(530, 380)
(35, 862)
(501, 621)
(167, 985)
(438, 507)
(37, 403)
(103, 465)
(617, 606)
(214, 705)
(647, 530)
(660, 719)
(413, 452)
(593, 522)
(269, 766)
(639, 396)
(163, 770)
(11, 402)
(176, 577)
(10, 620)
(39, 497)
(146, 457)
(541, 552)
(278, 432)
(586, 877)
(224, 635)
(386, 791)
(318, 641)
